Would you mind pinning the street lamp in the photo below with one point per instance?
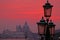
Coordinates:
(47, 9)
(47, 13)
(52, 29)
(41, 28)
(45, 27)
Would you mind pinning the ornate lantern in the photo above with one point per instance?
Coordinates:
(41, 26)
(51, 27)
(47, 9)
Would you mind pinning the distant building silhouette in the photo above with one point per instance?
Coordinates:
(21, 32)
(24, 32)
(26, 28)
(18, 28)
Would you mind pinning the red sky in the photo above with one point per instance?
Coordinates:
(14, 12)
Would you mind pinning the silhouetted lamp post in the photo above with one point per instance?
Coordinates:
(45, 27)
(47, 13)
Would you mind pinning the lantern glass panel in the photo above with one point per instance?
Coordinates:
(52, 30)
(41, 29)
(47, 12)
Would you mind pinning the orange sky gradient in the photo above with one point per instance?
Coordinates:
(14, 12)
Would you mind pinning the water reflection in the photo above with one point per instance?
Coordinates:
(20, 39)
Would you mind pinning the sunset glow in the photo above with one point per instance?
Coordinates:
(14, 12)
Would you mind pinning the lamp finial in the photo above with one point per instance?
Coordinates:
(50, 20)
(47, 1)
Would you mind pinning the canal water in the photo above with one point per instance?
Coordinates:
(20, 39)
(12, 39)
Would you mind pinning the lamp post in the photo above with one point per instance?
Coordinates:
(45, 27)
(47, 13)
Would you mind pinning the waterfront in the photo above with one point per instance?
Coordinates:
(12, 39)
(19, 39)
